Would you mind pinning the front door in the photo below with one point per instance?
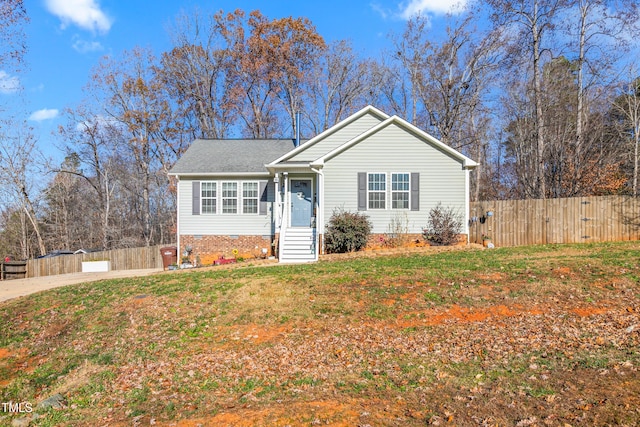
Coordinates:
(301, 202)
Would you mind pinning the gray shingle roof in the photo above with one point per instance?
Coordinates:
(208, 156)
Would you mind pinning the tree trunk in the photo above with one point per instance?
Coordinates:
(541, 189)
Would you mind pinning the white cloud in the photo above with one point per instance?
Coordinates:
(99, 121)
(44, 114)
(84, 46)
(414, 7)
(83, 13)
(384, 13)
(8, 84)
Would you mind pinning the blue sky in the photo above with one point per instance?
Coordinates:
(66, 38)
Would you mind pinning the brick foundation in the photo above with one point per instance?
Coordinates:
(207, 249)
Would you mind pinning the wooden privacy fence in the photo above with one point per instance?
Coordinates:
(13, 270)
(568, 220)
(121, 259)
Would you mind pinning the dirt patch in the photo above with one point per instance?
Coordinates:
(562, 271)
(462, 314)
(588, 311)
(334, 413)
(496, 277)
(12, 363)
(254, 333)
(458, 314)
(346, 413)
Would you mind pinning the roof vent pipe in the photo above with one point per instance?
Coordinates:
(296, 142)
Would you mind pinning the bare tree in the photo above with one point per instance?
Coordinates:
(144, 121)
(16, 236)
(442, 84)
(454, 80)
(626, 109)
(196, 73)
(19, 157)
(600, 32)
(90, 142)
(390, 88)
(531, 22)
(70, 209)
(13, 16)
(341, 84)
(567, 173)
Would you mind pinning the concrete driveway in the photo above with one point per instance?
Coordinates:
(19, 287)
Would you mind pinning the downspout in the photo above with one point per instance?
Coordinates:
(319, 212)
(285, 218)
(466, 204)
(178, 216)
(276, 213)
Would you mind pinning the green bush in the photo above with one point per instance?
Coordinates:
(444, 226)
(347, 232)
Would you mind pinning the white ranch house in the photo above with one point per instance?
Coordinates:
(275, 197)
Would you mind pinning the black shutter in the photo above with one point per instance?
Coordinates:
(195, 198)
(415, 191)
(362, 191)
(264, 197)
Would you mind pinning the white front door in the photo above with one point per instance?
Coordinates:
(301, 202)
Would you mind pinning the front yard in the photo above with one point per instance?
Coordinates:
(544, 335)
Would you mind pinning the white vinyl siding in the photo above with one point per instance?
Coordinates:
(400, 190)
(228, 224)
(338, 138)
(394, 150)
(377, 191)
(208, 197)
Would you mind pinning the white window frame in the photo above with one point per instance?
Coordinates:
(239, 197)
(383, 192)
(223, 198)
(407, 191)
(203, 197)
(256, 198)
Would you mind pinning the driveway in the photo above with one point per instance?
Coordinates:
(20, 287)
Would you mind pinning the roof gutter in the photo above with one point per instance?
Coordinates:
(222, 174)
(301, 167)
(470, 164)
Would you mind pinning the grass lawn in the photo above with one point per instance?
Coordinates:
(542, 335)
